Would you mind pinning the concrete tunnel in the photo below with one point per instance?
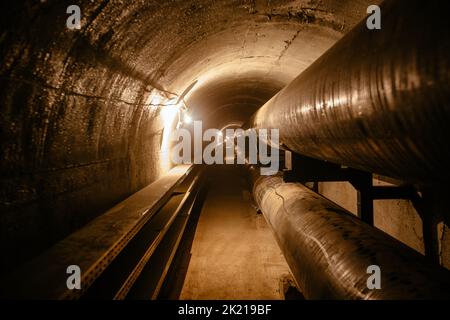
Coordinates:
(87, 178)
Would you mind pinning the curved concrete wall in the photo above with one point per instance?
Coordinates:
(77, 131)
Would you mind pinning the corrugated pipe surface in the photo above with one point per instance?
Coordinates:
(378, 100)
(329, 250)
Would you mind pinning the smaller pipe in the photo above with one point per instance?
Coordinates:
(329, 250)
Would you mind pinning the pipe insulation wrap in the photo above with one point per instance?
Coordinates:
(378, 100)
(329, 250)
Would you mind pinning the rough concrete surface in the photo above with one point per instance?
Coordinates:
(234, 253)
(77, 131)
(398, 218)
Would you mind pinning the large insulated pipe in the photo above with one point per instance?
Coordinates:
(329, 250)
(378, 100)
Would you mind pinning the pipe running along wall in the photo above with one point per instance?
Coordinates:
(81, 119)
(378, 100)
(329, 250)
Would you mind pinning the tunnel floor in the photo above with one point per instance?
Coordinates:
(234, 254)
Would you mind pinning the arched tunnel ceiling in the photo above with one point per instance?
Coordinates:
(77, 134)
(169, 44)
(244, 66)
(241, 45)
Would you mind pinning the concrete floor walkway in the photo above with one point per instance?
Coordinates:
(234, 253)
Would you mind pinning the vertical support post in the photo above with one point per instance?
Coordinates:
(428, 207)
(365, 206)
(363, 184)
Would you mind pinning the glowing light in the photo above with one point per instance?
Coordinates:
(187, 118)
(168, 115)
(155, 100)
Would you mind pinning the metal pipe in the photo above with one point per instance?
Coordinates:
(329, 250)
(378, 100)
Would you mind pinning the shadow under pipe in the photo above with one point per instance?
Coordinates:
(329, 250)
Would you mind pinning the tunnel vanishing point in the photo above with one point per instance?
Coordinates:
(92, 207)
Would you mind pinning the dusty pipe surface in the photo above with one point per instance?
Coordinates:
(329, 250)
(378, 100)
